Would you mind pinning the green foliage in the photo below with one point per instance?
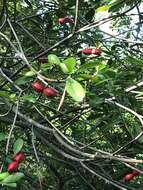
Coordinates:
(95, 112)
(75, 90)
(13, 178)
(2, 136)
(70, 64)
(53, 59)
(18, 145)
(3, 175)
(29, 98)
(30, 73)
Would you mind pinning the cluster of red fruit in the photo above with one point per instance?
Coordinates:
(90, 51)
(131, 176)
(17, 159)
(49, 91)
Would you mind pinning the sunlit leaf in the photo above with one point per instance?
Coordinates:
(13, 178)
(30, 74)
(103, 8)
(75, 90)
(53, 59)
(70, 64)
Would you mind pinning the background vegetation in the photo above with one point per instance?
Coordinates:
(71, 142)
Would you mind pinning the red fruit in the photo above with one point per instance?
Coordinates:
(135, 173)
(37, 86)
(50, 92)
(96, 51)
(19, 157)
(128, 177)
(65, 20)
(12, 166)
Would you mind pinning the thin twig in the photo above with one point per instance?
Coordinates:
(13, 124)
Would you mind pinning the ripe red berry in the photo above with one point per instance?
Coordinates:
(19, 157)
(50, 92)
(61, 20)
(12, 166)
(128, 177)
(65, 20)
(97, 51)
(89, 51)
(135, 173)
(37, 86)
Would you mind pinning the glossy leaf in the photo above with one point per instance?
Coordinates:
(13, 178)
(100, 67)
(53, 59)
(75, 90)
(30, 73)
(64, 68)
(70, 64)
(18, 145)
(9, 184)
(3, 175)
(103, 8)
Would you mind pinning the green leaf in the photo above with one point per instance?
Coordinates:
(22, 80)
(53, 59)
(4, 94)
(46, 67)
(110, 73)
(115, 5)
(70, 64)
(95, 100)
(100, 67)
(75, 90)
(103, 8)
(85, 77)
(2, 136)
(89, 65)
(30, 74)
(10, 184)
(64, 68)
(13, 178)
(3, 175)
(135, 131)
(29, 98)
(134, 61)
(18, 145)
